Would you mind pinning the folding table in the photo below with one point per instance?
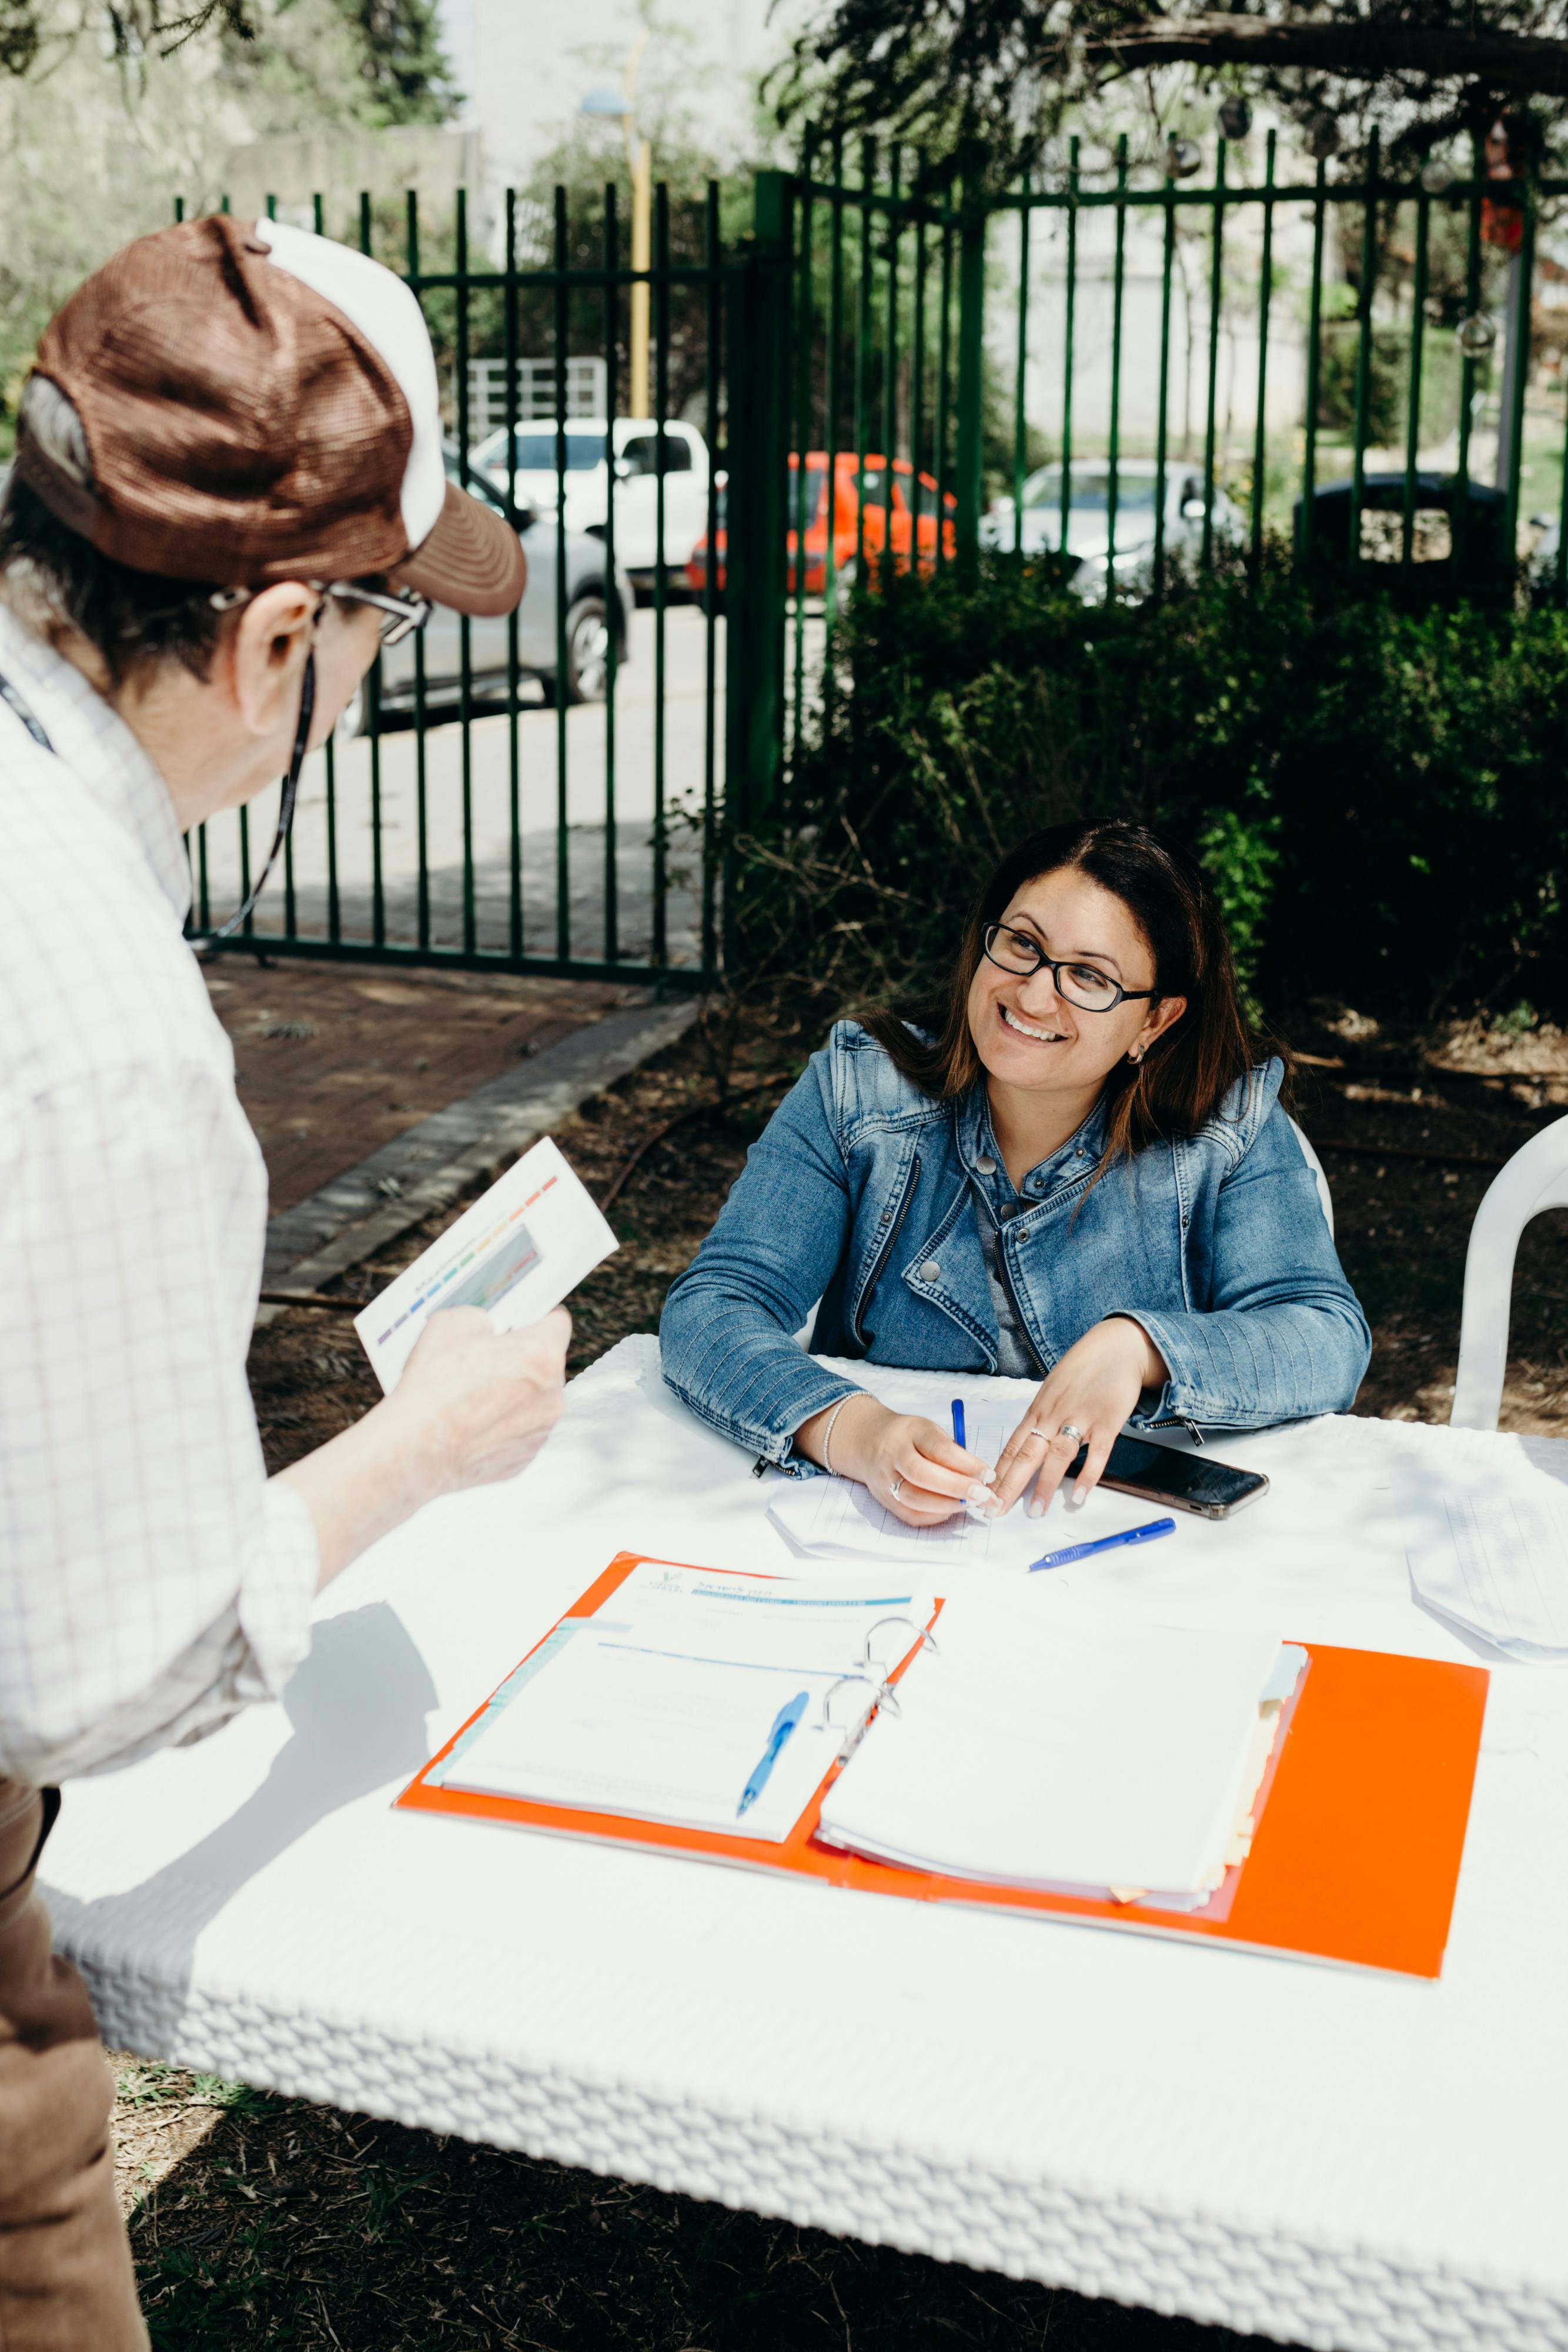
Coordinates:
(1329, 2157)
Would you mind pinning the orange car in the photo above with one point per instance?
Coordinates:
(862, 523)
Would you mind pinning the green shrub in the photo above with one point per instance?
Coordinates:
(1379, 793)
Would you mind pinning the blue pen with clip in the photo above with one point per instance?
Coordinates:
(784, 1723)
(959, 1436)
(1145, 1534)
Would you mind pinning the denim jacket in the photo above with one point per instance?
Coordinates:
(862, 1192)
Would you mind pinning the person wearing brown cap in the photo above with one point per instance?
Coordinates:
(228, 484)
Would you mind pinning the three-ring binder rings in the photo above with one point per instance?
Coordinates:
(1309, 1801)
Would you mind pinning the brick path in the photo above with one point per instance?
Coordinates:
(334, 1060)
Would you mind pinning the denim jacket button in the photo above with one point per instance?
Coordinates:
(929, 1270)
(986, 1166)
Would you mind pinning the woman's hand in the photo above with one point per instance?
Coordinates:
(907, 1463)
(1091, 1392)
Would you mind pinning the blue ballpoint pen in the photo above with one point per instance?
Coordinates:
(959, 1436)
(1145, 1534)
(784, 1723)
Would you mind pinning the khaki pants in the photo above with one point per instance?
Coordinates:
(66, 2280)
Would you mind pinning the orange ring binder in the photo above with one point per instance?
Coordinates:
(1355, 1858)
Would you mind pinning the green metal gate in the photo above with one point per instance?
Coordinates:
(483, 816)
(886, 382)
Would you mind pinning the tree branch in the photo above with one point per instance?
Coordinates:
(1512, 61)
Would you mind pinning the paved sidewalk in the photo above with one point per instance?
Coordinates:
(333, 1060)
(380, 1097)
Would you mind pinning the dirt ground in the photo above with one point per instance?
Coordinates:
(262, 2221)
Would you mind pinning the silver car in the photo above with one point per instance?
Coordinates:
(1088, 520)
(591, 612)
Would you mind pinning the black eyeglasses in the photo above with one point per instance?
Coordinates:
(403, 610)
(1079, 983)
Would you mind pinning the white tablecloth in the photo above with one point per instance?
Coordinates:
(1330, 2157)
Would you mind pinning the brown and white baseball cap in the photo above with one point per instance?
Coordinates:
(259, 405)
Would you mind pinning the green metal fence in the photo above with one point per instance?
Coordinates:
(543, 794)
(1127, 370)
(1133, 369)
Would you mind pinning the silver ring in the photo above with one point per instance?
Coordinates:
(894, 1488)
(1071, 1429)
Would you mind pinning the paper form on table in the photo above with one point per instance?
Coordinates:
(660, 1705)
(1486, 1534)
(838, 1518)
(522, 1247)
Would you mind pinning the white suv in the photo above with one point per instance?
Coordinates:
(636, 442)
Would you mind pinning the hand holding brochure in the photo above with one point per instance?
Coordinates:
(522, 1247)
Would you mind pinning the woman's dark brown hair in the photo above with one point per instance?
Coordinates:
(1183, 1078)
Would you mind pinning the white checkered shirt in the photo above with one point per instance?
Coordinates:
(151, 1581)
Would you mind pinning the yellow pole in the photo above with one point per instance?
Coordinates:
(637, 401)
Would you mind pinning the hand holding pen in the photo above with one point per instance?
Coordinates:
(909, 1464)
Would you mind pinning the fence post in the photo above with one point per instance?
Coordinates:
(756, 600)
(971, 384)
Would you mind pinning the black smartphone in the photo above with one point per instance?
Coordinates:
(1188, 1482)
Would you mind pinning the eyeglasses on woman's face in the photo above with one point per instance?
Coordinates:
(1080, 985)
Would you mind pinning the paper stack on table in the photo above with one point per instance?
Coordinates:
(1486, 1533)
(1041, 1749)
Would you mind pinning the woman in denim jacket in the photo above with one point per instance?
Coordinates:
(1084, 1176)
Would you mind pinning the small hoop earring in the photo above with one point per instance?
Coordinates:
(1136, 1056)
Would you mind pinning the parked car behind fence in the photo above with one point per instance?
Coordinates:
(535, 480)
(592, 609)
(880, 521)
(1087, 535)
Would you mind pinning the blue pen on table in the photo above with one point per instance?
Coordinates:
(959, 1436)
(1145, 1534)
(784, 1723)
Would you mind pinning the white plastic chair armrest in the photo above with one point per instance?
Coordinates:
(1536, 1178)
(1316, 1165)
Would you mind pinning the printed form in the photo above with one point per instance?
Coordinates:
(661, 1705)
(838, 1518)
(522, 1247)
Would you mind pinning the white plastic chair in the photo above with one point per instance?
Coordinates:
(1536, 1178)
(1316, 1165)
